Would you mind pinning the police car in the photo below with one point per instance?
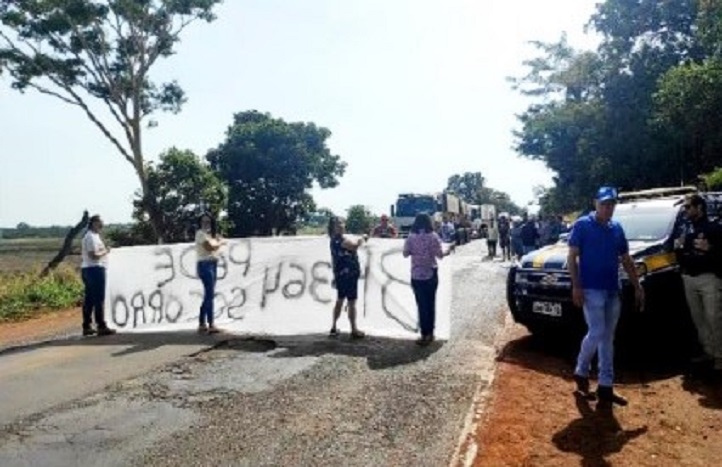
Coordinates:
(539, 286)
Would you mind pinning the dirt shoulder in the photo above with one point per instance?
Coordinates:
(46, 325)
(533, 417)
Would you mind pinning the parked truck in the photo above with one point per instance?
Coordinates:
(408, 205)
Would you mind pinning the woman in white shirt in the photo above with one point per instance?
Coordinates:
(208, 242)
(492, 239)
(95, 260)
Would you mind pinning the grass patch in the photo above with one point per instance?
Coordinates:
(24, 294)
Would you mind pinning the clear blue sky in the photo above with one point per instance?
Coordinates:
(413, 91)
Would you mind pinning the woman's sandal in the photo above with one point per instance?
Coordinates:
(357, 334)
(334, 333)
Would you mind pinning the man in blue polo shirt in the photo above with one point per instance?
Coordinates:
(598, 243)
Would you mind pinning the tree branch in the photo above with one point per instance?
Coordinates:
(76, 99)
(67, 245)
(46, 91)
(89, 113)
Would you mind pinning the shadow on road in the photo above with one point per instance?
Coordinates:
(139, 342)
(556, 356)
(710, 393)
(380, 352)
(595, 435)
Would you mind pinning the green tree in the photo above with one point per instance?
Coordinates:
(270, 166)
(566, 126)
(182, 187)
(688, 105)
(359, 220)
(713, 179)
(470, 186)
(97, 56)
(317, 221)
(501, 200)
(617, 115)
(467, 186)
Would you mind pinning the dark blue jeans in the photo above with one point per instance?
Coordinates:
(425, 294)
(94, 299)
(208, 273)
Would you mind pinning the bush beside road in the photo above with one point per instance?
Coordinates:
(23, 295)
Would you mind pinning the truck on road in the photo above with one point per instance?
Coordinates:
(408, 205)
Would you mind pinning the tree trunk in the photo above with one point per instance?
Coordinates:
(67, 245)
(151, 206)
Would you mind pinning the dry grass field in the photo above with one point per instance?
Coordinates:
(32, 254)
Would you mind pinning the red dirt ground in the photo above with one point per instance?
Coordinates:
(534, 419)
(44, 326)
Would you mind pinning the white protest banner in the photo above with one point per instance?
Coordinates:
(267, 286)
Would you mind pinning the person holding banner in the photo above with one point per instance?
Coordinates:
(93, 272)
(346, 274)
(424, 247)
(208, 242)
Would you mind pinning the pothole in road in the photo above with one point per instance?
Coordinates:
(247, 345)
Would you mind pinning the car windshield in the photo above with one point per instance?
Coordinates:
(645, 224)
(410, 207)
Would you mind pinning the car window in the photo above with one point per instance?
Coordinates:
(643, 223)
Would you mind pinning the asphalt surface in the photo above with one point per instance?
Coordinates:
(303, 400)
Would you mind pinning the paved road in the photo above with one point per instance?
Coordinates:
(291, 401)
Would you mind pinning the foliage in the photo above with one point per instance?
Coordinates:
(501, 200)
(713, 180)
(359, 220)
(467, 186)
(24, 230)
(182, 187)
(87, 52)
(318, 219)
(270, 165)
(53, 232)
(639, 112)
(24, 293)
(138, 233)
(688, 105)
(470, 186)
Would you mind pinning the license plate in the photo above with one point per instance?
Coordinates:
(547, 308)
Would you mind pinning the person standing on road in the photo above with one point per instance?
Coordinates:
(699, 252)
(93, 272)
(385, 229)
(492, 238)
(346, 274)
(424, 247)
(517, 246)
(555, 229)
(529, 235)
(208, 243)
(447, 230)
(505, 238)
(598, 243)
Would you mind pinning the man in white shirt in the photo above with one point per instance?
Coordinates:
(95, 260)
(448, 231)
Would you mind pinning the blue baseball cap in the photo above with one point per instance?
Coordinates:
(606, 193)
